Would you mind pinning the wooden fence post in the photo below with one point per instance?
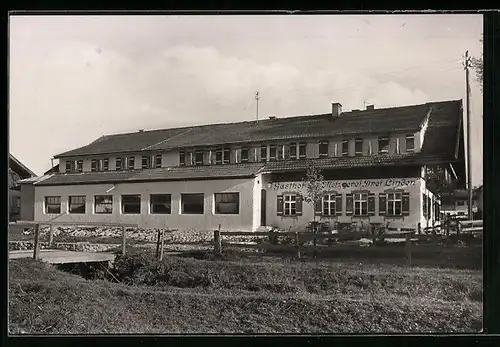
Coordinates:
(447, 225)
(36, 246)
(217, 242)
(297, 244)
(408, 249)
(51, 235)
(458, 227)
(158, 239)
(314, 243)
(123, 240)
(162, 242)
(419, 228)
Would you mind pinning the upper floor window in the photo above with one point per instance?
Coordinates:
(394, 204)
(198, 157)
(410, 143)
(182, 158)
(292, 151)
(360, 201)
(93, 165)
(329, 204)
(345, 148)
(383, 144)
(158, 161)
(272, 152)
(302, 150)
(105, 164)
(131, 163)
(263, 153)
(323, 149)
(280, 152)
(244, 155)
(68, 166)
(358, 146)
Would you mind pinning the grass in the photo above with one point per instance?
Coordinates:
(271, 295)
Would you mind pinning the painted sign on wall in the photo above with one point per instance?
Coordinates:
(349, 185)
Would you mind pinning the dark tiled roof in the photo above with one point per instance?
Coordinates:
(164, 174)
(352, 162)
(407, 118)
(18, 167)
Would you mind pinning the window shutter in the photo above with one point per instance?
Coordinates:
(405, 209)
(317, 207)
(371, 204)
(424, 205)
(348, 204)
(298, 205)
(382, 204)
(279, 207)
(429, 207)
(338, 204)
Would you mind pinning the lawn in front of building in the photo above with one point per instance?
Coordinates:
(245, 295)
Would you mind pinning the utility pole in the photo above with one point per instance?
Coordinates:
(257, 98)
(469, 162)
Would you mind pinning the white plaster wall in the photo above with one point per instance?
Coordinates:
(208, 221)
(411, 185)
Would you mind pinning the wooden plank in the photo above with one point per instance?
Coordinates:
(124, 240)
(269, 246)
(474, 229)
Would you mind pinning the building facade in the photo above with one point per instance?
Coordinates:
(381, 166)
(17, 172)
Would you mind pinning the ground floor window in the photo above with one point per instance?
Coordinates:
(290, 205)
(192, 203)
(329, 205)
(360, 202)
(160, 203)
(103, 204)
(131, 204)
(53, 204)
(76, 204)
(227, 203)
(394, 204)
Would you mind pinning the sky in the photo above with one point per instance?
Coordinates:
(76, 78)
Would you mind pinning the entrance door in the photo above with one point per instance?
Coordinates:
(263, 207)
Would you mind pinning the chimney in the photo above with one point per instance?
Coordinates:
(370, 107)
(272, 117)
(141, 130)
(336, 109)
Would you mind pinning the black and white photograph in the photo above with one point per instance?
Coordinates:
(174, 173)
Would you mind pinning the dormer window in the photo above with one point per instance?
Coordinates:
(198, 157)
(410, 143)
(383, 144)
(293, 150)
(345, 148)
(93, 165)
(131, 163)
(323, 149)
(358, 147)
(272, 152)
(118, 164)
(302, 150)
(182, 158)
(263, 153)
(227, 155)
(68, 165)
(244, 155)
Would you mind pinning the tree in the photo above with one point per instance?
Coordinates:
(477, 65)
(314, 183)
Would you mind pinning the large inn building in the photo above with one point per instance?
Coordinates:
(379, 165)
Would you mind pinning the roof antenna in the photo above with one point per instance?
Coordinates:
(257, 99)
